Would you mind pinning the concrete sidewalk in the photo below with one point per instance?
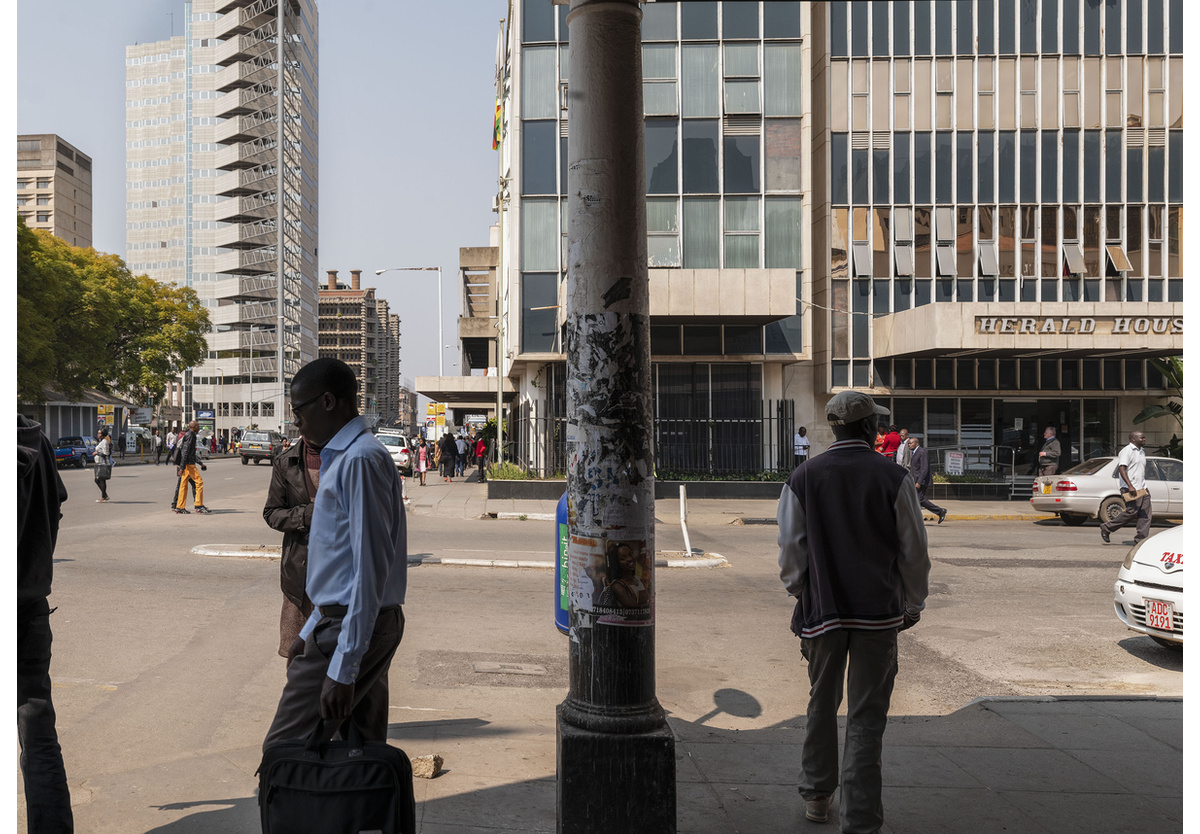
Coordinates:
(1026, 765)
(467, 498)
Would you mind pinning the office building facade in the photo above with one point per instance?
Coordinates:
(221, 194)
(727, 200)
(54, 187)
(357, 327)
(998, 215)
(977, 204)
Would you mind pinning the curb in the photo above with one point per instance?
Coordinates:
(521, 516)
(274, 551)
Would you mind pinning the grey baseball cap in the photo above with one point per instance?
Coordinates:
(852, 406)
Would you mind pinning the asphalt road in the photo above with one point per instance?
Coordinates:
(166, 673)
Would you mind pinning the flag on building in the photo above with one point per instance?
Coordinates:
(496, 128)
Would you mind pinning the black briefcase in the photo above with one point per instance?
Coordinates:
(309, 786)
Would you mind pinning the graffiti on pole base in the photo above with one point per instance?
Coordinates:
(612, 579)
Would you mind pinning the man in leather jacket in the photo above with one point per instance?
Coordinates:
(289, 510)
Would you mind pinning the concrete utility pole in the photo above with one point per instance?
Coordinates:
(616, 754)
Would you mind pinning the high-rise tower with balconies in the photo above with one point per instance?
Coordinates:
(222, 191)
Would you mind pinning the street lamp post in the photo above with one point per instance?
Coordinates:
(438, 269)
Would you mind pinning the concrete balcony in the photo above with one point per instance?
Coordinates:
(245, 209)
(239, 21)
(745, 296)
(243, 366)
(243, 340)
(241, 48)
(235, 103)
(226, 6)
(244, 128)
(244, 183)
(252, 262)
(243, 314)
(245, 155)
(244, 288)
(248, 235)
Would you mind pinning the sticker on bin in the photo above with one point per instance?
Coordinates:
(1160, 614)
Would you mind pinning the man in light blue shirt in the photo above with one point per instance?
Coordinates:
(357, 566)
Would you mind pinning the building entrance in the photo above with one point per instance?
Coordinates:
(1084, 429)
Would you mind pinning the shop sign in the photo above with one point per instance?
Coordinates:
(1067, 326)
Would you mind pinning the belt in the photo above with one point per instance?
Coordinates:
(340, 610)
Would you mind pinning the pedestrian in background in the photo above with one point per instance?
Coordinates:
(186, 463)
(357, 567)
(853, 552)
(919, 468)
(121, 441)
(295, 476)
(800, 446)
(158, 444)
(891, 442)
(460, 459)
(1050, 453)
(1131, 466)
(904, 453)
(481, 459)
(40, 495)
(102, 457)
(424, 455)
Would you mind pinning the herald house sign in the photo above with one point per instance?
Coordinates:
(1066, 325)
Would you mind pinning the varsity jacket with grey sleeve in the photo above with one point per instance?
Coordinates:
(852, 545)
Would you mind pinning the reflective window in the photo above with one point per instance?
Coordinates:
(859, 28)
(781, 79)
(1050, 25)
(944, 165)
(658, 21)
(881, 175)
(1154, 26)
(1091, 171)
(966, 27)
(701, 81)
(858, 176)
(782, 224)
(539, 327)
(901, 167)
(1091, 27)
(922, 167)
(539, 82)
(739, 20)
(1070, 27)
(944, 27)
(1008, 30)
(987, 167)
(701, 233)
(838, 28)
(537, 21)
(1133, 34)
(539, 143)
(781, 19)
(900, 28)
(1133, 184)
(662, 156)
(965, 166)
(742, 164)
(1049, 166)
(1112, 27)
(700, 168)
(1029, 170)
(922, 27)
(839, 148)
(1175, 184)
(1070, 166)
(741, 233)
(539, 235)
(1008, 165)
(879, 28)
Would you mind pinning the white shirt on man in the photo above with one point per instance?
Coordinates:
(1134, 461)
(800, 444)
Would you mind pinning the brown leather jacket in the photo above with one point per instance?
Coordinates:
(289, 511)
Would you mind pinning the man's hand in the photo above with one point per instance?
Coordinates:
(337, 700)
(295, 650)
(179, 471)
(910, 620)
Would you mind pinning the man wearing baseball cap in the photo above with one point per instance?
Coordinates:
(853, 552)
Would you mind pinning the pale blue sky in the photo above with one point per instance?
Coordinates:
(407, 170)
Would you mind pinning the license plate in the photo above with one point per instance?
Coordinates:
(1046, 489)
(1160, 614)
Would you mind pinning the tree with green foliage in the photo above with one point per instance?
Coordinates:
(85, 321)
(1172, 374)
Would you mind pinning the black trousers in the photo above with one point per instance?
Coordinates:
(47, 799)
(926, 503)
(300, 704)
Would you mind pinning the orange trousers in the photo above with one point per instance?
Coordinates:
(190, 472)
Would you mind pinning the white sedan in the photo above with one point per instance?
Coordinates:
(1093, 490)
(1148, 593)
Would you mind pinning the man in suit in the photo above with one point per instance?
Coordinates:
(1050, 453)
(919, 467)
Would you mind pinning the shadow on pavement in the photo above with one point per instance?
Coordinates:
(1143, 648)
(226, 816)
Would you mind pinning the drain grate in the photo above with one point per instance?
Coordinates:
(748, 520)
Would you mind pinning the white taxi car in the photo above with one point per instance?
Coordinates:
(1148, 594)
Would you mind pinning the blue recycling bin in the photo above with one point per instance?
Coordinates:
(562, 598)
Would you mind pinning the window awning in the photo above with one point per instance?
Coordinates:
(904, 259)
(945, 224)
(862, 260)
(989, 263)
(1074, 255)
(1116, 255)
(903, 223)
(945, 261)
